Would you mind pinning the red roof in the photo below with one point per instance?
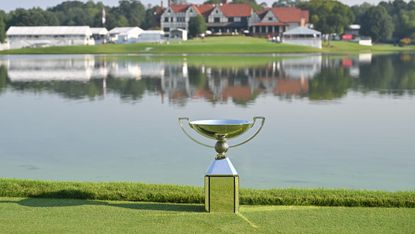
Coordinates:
(236, 10)
(290, 14)
(205, 9)
(177, 8)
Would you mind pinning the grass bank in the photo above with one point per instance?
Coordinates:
(34, 215)
(211, 45)
(188, 194)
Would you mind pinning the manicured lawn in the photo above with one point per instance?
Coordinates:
(34, 215)
(212, 45)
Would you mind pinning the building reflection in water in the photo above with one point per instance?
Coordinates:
(179, 80)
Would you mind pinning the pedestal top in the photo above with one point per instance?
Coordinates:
(221, 167)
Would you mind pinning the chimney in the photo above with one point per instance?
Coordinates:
(302, 22)
(169, 3)
(161, 4)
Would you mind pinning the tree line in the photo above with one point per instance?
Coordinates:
(387, 21)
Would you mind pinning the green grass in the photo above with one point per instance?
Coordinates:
(124, 191)
(32, 215)
(351, 47)
(212, 45)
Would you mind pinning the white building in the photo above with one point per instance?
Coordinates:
(303, 36)
(125, 35)
(100, 35)
(234, 18)
(43, 36)
(151, 36)
(178, 34)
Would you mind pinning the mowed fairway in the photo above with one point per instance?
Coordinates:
(34, 215)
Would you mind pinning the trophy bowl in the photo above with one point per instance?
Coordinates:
(218, 128)
(221, 130)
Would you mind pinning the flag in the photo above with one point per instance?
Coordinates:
(103, 16)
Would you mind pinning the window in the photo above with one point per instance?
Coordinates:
(181, 19)
(270, 18)
(171, 19)
(230, 19)
(216, 20)
(166, 19)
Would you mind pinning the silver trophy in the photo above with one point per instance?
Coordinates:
(221, 180)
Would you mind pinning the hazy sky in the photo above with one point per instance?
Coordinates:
(8, 5)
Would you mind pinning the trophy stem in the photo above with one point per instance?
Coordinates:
(221, 147)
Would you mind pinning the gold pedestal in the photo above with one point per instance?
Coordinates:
(222, 193)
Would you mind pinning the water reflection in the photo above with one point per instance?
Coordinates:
(178, 80)
(363, 141)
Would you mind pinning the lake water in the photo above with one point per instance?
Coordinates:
(332, 121)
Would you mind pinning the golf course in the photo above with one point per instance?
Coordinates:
(82, 207)
(230, 65)
(213, 45)
(34, 215)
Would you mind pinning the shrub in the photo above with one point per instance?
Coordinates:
(405, 41)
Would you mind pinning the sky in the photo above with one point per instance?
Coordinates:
(8, 5)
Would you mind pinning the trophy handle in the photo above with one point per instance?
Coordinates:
(188, 135)
(256, 133)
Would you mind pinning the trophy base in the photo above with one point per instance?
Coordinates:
(222, 187)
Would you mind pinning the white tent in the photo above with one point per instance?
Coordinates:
(151, 36)
(42, 36)
(124, 35)
(100, 35)
(303, 36)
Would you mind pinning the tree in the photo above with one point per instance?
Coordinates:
(407, 19)
(329, 16)
(178, 1)
(359, 11)
(285, 3)
(213, 2)
(2, 26)
(377, 23)
(151, 21)
(32, 17)
(133, 11)
(197, 26)
(252, 3)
